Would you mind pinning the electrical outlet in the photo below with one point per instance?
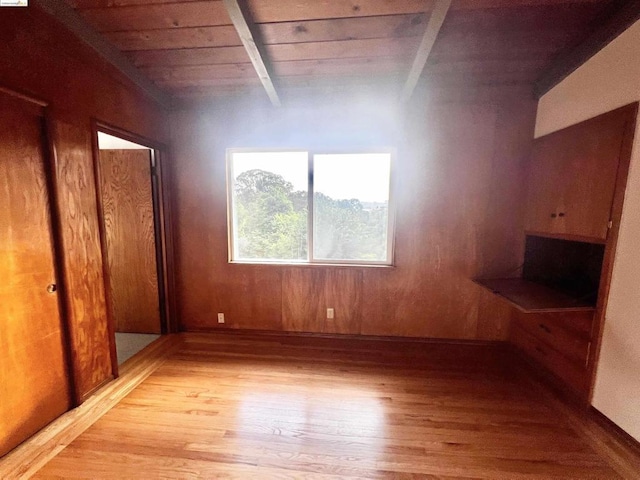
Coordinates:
(221, 318)
(330, 313)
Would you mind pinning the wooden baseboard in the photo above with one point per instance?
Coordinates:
(26, 459)
(621, 450)
(95, 389)
(614, 430)
(341, 336)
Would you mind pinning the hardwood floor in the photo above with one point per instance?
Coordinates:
(248, 406)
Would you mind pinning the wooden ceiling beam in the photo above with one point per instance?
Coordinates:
(436, 19)
(615, 20)
(240, 16)
(67, 16)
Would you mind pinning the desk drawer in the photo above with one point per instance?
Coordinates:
(569, 333)
(573, 373)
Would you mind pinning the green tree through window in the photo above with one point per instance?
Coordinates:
(271, 216)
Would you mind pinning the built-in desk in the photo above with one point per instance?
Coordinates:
(530, 297)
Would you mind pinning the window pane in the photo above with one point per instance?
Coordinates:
(351, 206)
(270, 199)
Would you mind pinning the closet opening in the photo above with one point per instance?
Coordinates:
(134, 241)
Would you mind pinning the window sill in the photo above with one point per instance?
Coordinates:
(315, 264)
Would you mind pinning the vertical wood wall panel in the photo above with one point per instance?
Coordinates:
(459, 182)
(41, 58)
(343, 293)
(303, 299)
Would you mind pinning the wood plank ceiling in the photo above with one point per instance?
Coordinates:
(191, 48)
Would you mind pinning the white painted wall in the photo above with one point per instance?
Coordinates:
(109, 142)
(609, 80)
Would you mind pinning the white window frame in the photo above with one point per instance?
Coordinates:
(391, 217)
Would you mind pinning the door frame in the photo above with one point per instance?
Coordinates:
(162, 226)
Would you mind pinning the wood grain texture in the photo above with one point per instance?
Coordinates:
(458, 163)
(271, 33)
(502, 41)
(41, 58)
(576, 187)
(34, 383)
(567, 332)
(572, 177)
(83, 261)
(307, 292)
(458, 4)
(29, 457)
(571, 374)
(612, 238)
(213, 74)
(282, 407)
(531, 297)
(374, 47)
(244, 24)
(130, 237)
(161, 15)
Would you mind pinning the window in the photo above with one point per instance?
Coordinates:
(302, 207)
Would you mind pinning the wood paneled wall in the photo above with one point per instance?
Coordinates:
(459, 178)
(40, 58)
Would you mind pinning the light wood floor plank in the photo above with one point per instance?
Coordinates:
(250, 406)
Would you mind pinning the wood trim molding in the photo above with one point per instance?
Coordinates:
(163, 231)
(64, 297)
(194, 333)
(621, 451)
(436, 19)
(241, 18)
(95, 150)
(67, 16)
(109, 129)
(609, 25)
(28, 458)
(624, 163)
(629, 444)
(23, 96)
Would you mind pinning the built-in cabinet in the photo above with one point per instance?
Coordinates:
(572, 178)
(575, 186)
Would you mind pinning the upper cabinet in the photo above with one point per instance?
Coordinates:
(572, 178)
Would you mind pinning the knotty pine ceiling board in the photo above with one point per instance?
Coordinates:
(282, 52)
(192, 45)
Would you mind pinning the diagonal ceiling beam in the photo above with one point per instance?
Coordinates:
(431, 33)
(241, 18)
(65, 14)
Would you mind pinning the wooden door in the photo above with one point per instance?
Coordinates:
(130, 237)
(34, 387)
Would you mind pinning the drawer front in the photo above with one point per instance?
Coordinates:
(567, 332)
(574, 375)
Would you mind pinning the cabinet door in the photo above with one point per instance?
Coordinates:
(545, 176)
(591, 159)
(572, 177)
